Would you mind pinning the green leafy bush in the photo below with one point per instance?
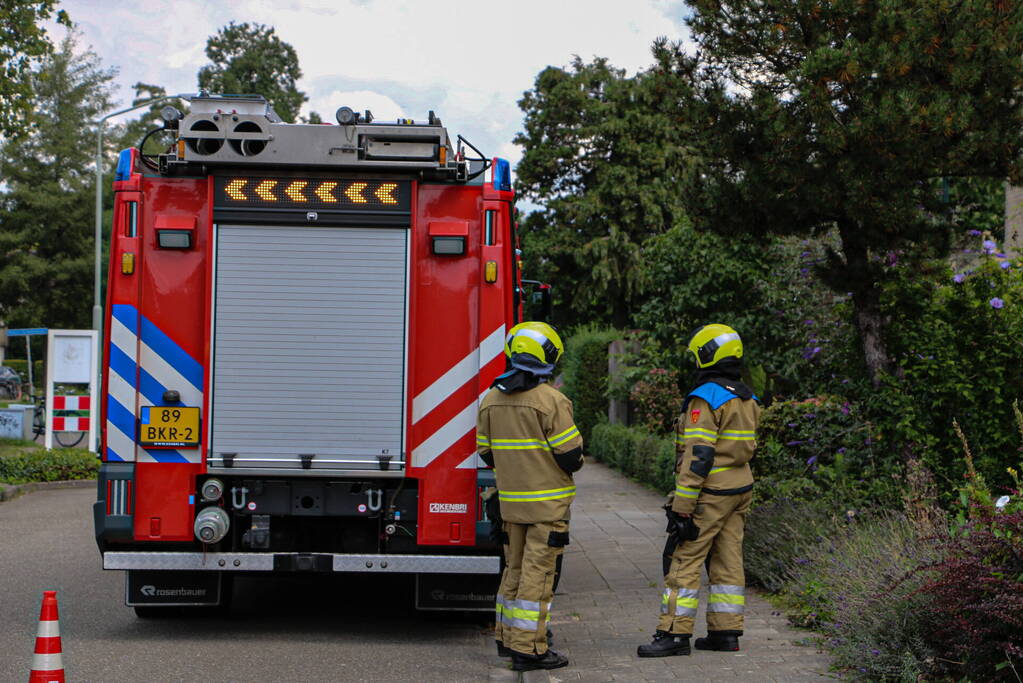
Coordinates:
(585, 375)
(53, 465)
(956, 340)
(823, 446)
(636, 453)
(655, 400)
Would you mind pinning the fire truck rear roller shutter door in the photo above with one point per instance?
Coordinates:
(309, 345)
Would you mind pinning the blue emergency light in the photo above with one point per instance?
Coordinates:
(502, 175)
(123, 165)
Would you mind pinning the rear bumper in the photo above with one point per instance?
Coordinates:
(316, 562)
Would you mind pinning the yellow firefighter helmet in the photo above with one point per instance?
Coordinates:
(713, 343)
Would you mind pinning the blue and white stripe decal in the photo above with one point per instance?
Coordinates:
(161, 364)
(121, 383)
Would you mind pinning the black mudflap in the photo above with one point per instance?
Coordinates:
(463, 592)
(150, 588)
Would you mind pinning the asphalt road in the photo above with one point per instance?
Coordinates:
(343, 629)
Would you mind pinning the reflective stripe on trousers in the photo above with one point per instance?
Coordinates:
(686, 602)
(523, 614)
(724, 598)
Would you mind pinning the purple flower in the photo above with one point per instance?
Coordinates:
(811, 460)
(1005, 265)
(793, 424)
(810, 416)
(845, 408)
(808, 322)
(967, 251)
(974, 233)
(794, 443)
(845, 381)
(958, 277)
(891, 259)
(989, 246)
(875, 652)
(841, 450)
(996, 302)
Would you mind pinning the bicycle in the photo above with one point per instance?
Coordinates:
(64, 439)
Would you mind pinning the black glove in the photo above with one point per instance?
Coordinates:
(684, 527)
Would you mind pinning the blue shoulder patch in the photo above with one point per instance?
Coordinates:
(714, 394)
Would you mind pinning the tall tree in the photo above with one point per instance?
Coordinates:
(847, 115)
(600, 157)
(249, 59)
(46, 208)
(23, 43)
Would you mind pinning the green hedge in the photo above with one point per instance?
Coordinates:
(636, 453)
(584, 370)
(55, 465)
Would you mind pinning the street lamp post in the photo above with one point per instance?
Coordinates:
(97, 309)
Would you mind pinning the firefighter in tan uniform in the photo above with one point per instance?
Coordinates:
(716, 438)
(526, 432)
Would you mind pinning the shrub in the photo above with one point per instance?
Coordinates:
(655, 400)
(860, 588)
(636, 453)
(54, 465)
(972, 600)
(955, 340)
(781, 531)
(823, 446)
(584, 371)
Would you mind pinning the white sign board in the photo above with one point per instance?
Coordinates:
(72, 359)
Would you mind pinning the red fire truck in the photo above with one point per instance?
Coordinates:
(300, 323)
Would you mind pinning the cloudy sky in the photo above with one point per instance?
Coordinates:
(468, 60)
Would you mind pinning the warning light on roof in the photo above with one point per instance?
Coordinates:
(502, 175)
(123, 165)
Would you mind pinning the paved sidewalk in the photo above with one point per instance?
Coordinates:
(609, 599)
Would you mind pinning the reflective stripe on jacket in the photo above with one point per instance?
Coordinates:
(523, 431)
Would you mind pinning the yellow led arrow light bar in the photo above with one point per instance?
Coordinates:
(311, 193)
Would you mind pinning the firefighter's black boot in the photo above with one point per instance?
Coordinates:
(665, 644)
(503, 651)
(720, 641)
(548, 660)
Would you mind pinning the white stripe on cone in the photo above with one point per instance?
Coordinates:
(49, 629)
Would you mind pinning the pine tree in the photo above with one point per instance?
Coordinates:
(848, 116)
(46, 209)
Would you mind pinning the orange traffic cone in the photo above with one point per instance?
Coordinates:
(46, 664)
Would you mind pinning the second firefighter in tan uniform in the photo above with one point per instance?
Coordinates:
(526, 432)
(716, 439)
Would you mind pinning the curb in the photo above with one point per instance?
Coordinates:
(10, 492)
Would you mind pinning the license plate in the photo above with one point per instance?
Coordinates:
(169, 427)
